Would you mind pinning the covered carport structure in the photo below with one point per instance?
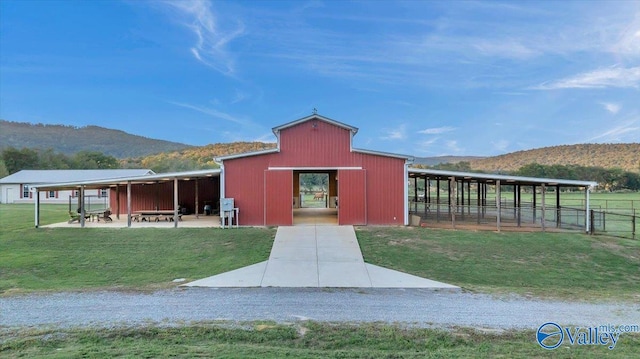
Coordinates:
(480, 199)
(154, 191)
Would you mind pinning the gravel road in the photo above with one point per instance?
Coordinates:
(414, 307)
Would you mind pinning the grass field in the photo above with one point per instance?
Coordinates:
(613, 201)
(559, 265)
(615, 214)
(303, 340)
(142, 258)
(308, 201)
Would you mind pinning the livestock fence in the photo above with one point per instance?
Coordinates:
(615, 223)
(527, 216)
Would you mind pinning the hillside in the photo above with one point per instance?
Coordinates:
(136, 151)
(432, 161)
(624, 155)
(69, 140)
(195, 157)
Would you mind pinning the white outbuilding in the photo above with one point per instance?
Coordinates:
(19, 187)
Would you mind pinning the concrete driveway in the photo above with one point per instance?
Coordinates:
(317, 256)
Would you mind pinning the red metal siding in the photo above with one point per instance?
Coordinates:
(160, 195)
(278, 192)
(328, 146)
(208, 193)
(244, 182)
(325, 145)
(351, 197)
(385, 190)
(144, 196)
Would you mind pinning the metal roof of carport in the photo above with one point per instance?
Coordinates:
(504, 179)
(151, 178)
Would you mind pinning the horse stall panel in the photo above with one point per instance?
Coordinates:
(351, 197)
(144, 197)
(208, 193)
(278, 198)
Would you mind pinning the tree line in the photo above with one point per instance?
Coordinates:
(194, 158)
(609, 179)
(13, 160)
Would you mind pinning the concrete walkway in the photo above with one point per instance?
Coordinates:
(317, 256)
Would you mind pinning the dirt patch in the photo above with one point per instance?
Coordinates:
(623, 251)
(404, 241)
(425, 244)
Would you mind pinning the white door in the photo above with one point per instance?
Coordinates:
(9, 195)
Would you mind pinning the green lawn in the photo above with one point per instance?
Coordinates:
(48, 259)
(559, 265)
(303, 340)
(611, 201)
(565, 265)
(308, 201)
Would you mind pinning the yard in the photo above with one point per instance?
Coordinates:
(303, 340)
(48, 259)
(558, 265)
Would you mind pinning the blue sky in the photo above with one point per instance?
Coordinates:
(420, 78)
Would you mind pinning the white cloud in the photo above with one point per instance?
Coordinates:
(601, 78)
(500, 145)
(628, 42)
(211, 45)
(620, 133)
(437, 130)
(398, 133)
(507, 48)
(453, 146)
(213, 112)
(614, 108)
(239, 97)
(428, 147)
(267, 137)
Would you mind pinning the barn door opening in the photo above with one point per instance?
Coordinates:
(313, 192)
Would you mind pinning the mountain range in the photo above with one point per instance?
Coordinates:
(147, 151)
(70, 139)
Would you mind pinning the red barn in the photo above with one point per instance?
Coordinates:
(364, 187)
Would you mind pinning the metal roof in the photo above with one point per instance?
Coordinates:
(315, 117)
(504, 179)
(56, 176)
(384, 154)
(277, 129)
(275, 150)
(152, 178)
(247, 154)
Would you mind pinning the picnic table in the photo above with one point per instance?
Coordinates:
(99, 214)
(96, 215)
(155, 215)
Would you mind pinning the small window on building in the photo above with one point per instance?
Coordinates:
(76, 193)
(25, 191)
(103, 192)
(52, 194)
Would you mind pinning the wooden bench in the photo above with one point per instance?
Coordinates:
(155, 216)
